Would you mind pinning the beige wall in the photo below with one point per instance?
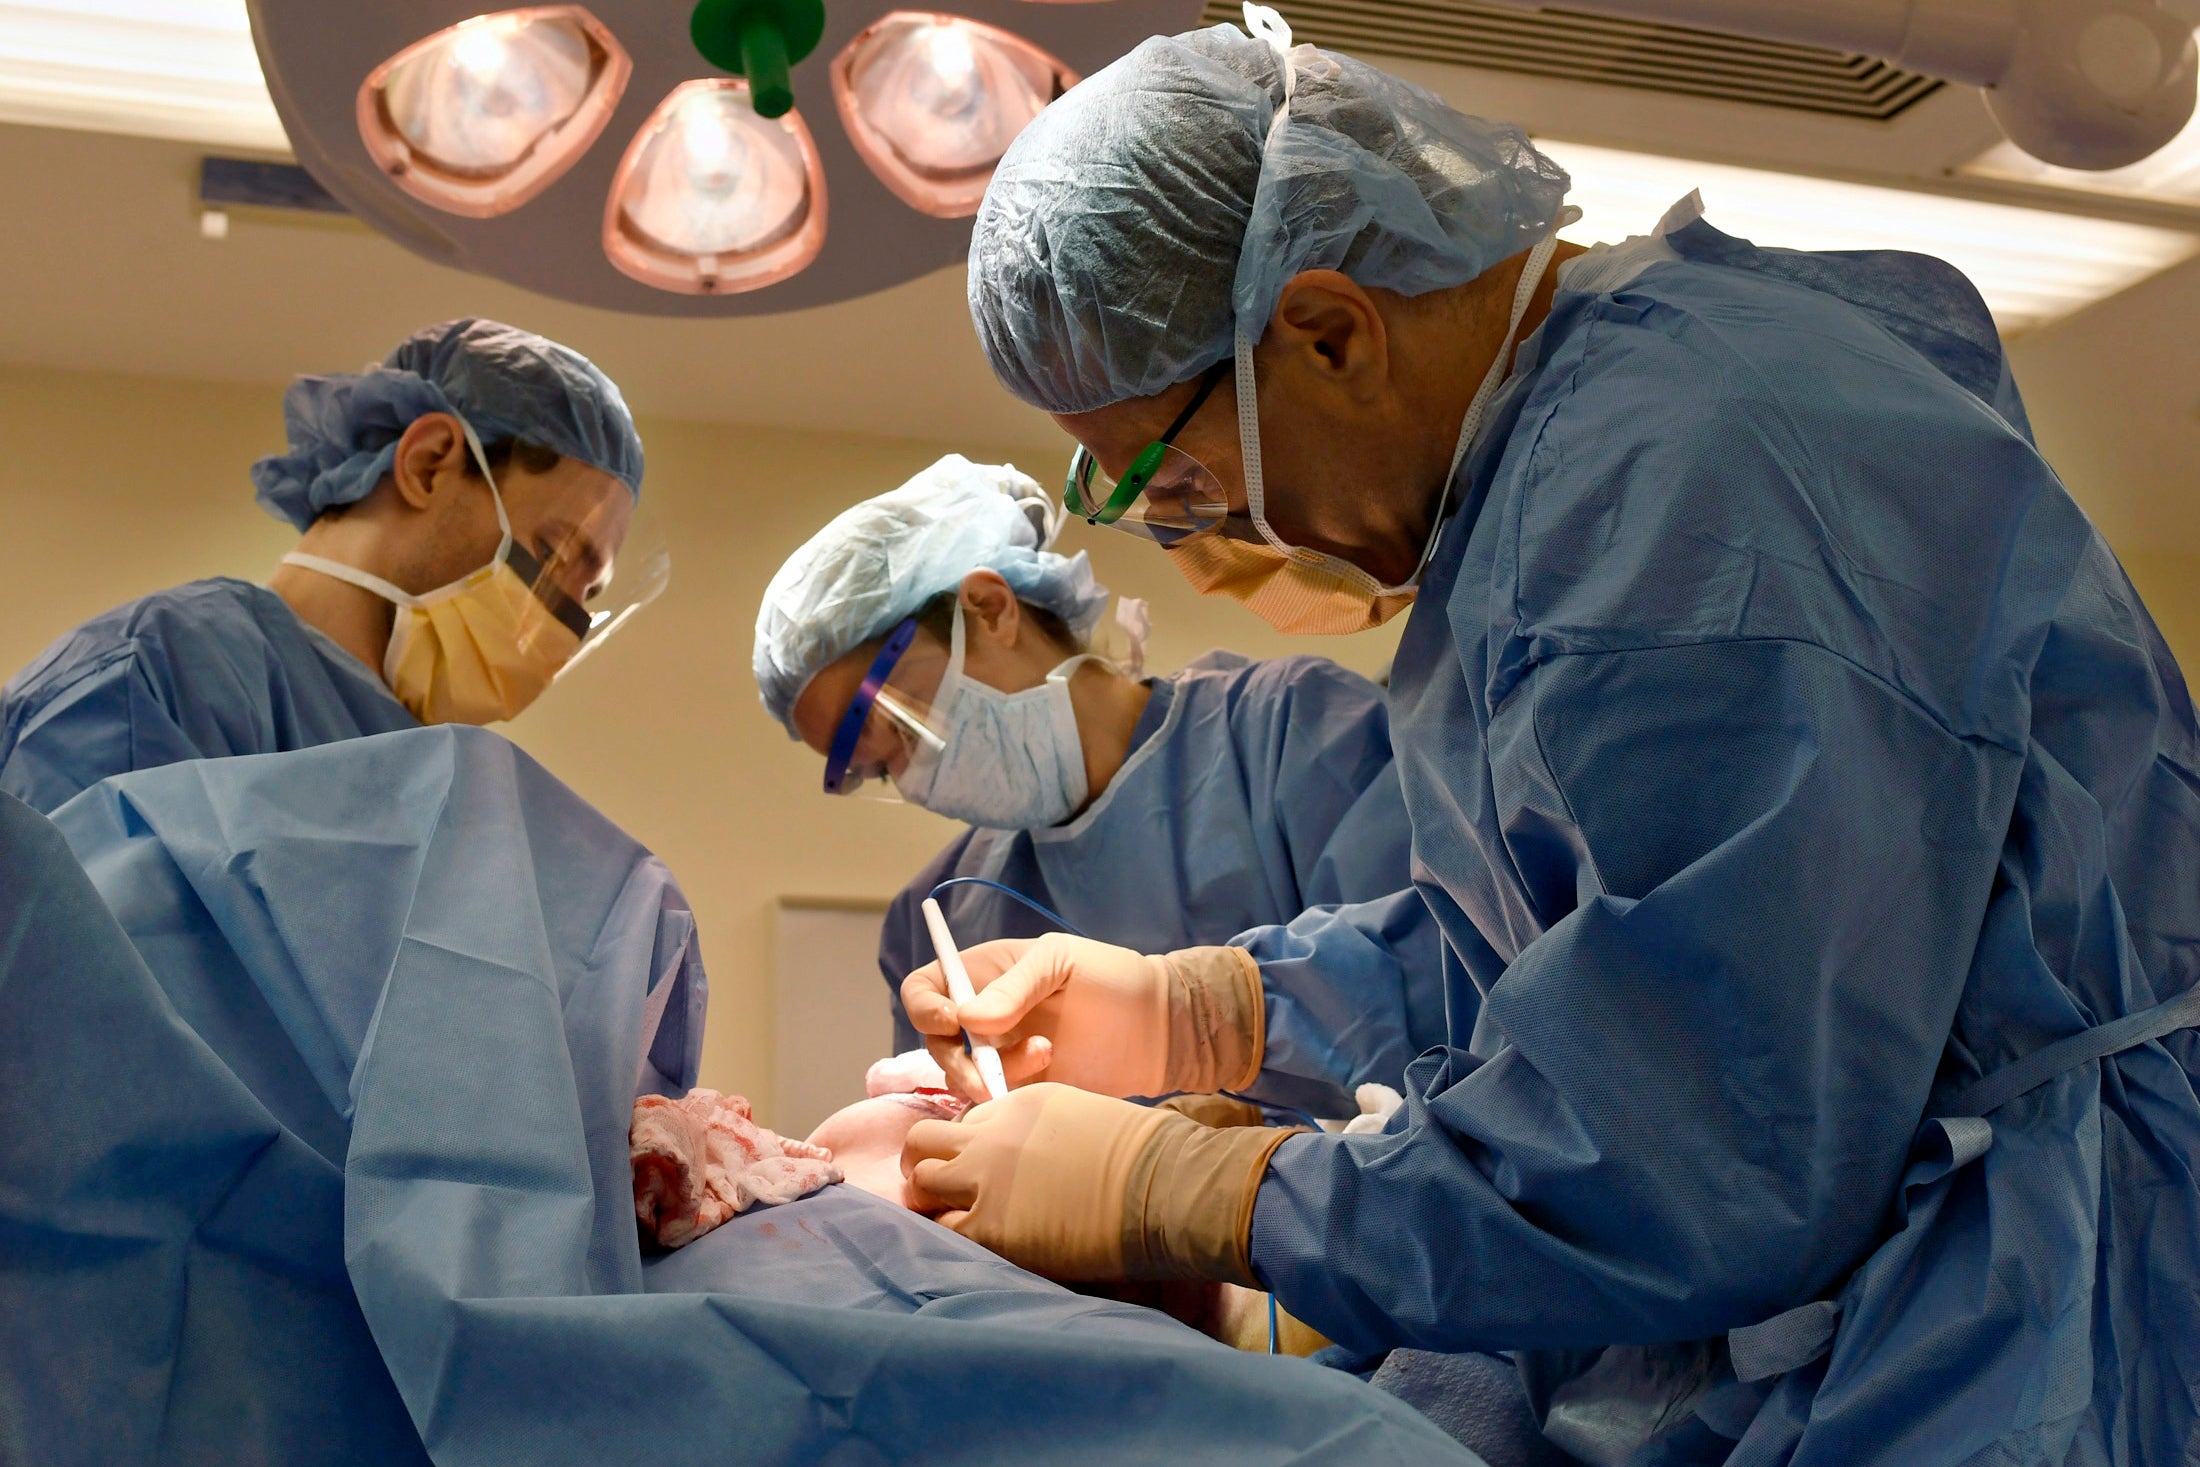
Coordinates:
(111, 486)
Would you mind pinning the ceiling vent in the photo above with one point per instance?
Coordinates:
(1597, 48)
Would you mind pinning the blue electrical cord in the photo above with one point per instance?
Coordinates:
(1009, 891)
(1072, 928)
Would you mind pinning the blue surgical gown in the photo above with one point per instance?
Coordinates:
(1253, 791)
(207, 669)
(317, 1098)
(1785, 752)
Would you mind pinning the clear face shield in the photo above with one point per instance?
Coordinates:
(590, 562)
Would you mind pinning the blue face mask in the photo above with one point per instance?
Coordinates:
(1012, 761)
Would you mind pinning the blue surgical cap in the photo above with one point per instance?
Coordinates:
(1138, 218)
(506, 382)
(882, 560)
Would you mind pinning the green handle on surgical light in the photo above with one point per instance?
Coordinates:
(760, 40)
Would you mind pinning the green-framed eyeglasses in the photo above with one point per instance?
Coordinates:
(1184, 497)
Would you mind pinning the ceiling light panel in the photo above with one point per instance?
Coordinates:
(180, 69)
(1610, 50)
(2031, 265)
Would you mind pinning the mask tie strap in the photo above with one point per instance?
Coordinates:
(1531, 276)
(351, 575)
(1061, 671)
(504, 522)
(1264, 24)
(952, 679)
(1136, 620)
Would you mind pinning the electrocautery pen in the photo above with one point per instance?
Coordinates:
(958, 988)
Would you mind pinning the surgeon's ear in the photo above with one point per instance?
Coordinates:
(990, 612)
(1328, 330)
(430, 451)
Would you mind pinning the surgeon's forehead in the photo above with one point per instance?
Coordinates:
(585, 494)
(586, 510)
(822, 704)
(1117, 433)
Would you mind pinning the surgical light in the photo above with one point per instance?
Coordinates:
(932, 101)
(481, 117)
(2031, 265)
(713, 198)
(672, 157)
(908, 84)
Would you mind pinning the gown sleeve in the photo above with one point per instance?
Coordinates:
(1353, 992)
(107, 719)
(1690, 1098)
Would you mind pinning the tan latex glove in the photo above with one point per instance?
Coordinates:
(1073, 1185)
(1101, 1018)
(1215, 1110)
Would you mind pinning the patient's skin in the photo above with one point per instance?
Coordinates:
(865, 1139)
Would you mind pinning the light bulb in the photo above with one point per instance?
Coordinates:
(703, 134)
(953, 61)
(713, 198)
(933, 101)
(479, 50)
(480, 118)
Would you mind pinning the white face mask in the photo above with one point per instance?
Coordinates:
(1011, 761)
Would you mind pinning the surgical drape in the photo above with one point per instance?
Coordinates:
(341, 1171)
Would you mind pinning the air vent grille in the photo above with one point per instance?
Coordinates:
(1597, 48)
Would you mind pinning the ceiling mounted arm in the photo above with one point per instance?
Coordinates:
(2090, 84)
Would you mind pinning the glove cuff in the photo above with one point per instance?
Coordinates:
(1217, 1019)
(1215, 1111)
(1188, 1200)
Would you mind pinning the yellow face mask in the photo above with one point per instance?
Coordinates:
(1298, 593)
(478, 650)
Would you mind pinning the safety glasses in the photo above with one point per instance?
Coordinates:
(1166, 495)
(892, 718)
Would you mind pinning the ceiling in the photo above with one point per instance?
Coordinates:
(106, 270)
